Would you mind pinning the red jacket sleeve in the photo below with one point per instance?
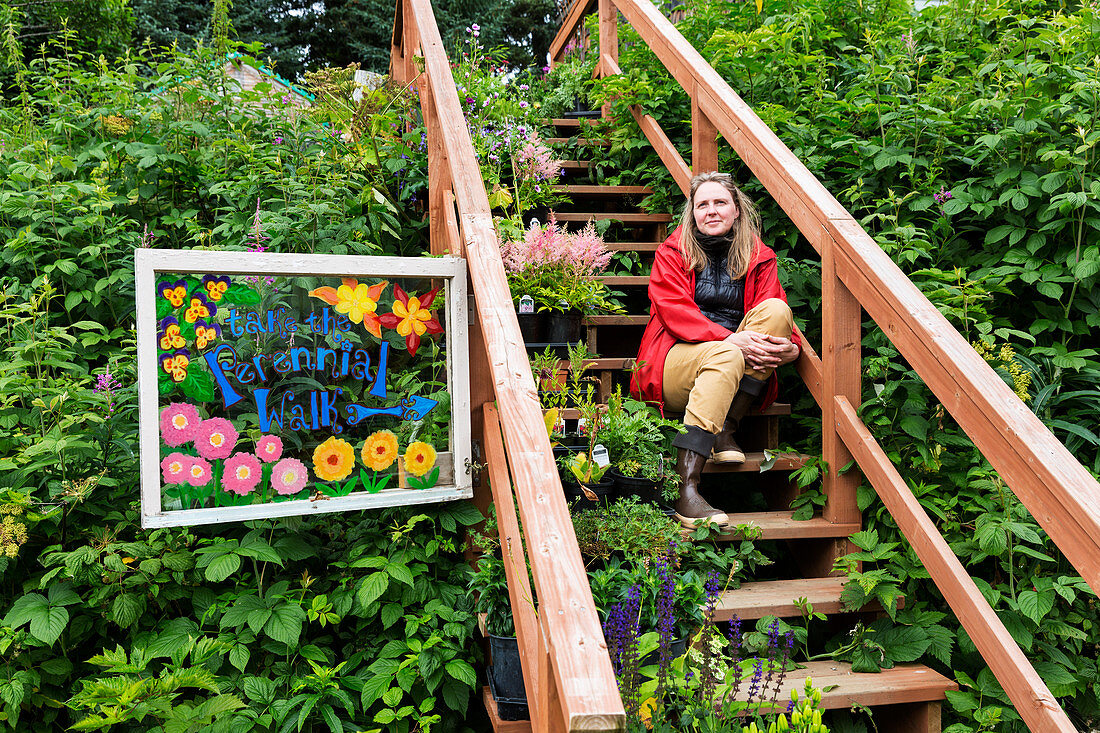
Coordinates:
(672, 293)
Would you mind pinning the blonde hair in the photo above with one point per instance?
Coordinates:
(745, 230)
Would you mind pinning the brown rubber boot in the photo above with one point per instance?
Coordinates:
(690, 507)
(726, 449)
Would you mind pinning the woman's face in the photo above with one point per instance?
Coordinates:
(714, 209)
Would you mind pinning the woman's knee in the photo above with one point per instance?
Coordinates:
(772, 316)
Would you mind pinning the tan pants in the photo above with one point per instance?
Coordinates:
(701, 379)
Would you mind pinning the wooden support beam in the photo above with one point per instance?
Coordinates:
(609, 43)
(1033, 701)
(704, 139)
(515, 561)
(809, 367)
(841, 320)
(569, 27)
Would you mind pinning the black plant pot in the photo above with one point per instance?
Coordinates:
(643, 488)
(563, 327)
(575, 497)
(677, 648)
(506, 678)
(532, 326)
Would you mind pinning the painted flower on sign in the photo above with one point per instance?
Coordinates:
(199, 473)
(178, 423)
(419, 458)
(333, 459)
(215, 438)
(175, 364)
(379, 451)
(206, 333)
(269, 448)
(170, 338)
(199, 307)
(242, 473)
(215, 286)
(289, 476)
(173, 292)
(356, 300)
(411, 317)
(175, 468)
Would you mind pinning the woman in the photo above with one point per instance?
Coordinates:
(719, 325)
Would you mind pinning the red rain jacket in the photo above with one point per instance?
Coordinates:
(674, 316)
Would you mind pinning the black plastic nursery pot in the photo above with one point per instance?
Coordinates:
(563, 327)
(506, 678)
(643, 488)
(575, 497)
(532, 326)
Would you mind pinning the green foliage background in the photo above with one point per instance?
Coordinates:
(357, 622)
(963, 137)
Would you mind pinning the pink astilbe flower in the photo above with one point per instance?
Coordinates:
(242, 473)
(175, 468)
(178, 424)
(588, 250)
(289, 476)
(199, 473)
(269, 448)
(536, 162)
(215, 438)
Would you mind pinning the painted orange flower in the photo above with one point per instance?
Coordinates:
(333, 459)
(379, 451)
(411, 317)
(170, 337)
(419, 458)
(205, 334)
(199, 307)
(356, 300)
(174, 293)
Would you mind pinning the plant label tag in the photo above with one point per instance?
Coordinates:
(526, 304)
(599, 456)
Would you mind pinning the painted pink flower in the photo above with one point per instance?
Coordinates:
(174, 468)
(269, 448)
(242, 473)
(178, 424)
(198, 473)
(215, 438)
(289, 476)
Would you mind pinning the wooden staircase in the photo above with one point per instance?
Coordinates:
(905, 698)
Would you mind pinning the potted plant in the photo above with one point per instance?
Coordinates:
(583, 480)
(639, 442)
(625, 528)
(557, 270)
(489, 585)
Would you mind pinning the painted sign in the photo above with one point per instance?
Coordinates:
(275, 385)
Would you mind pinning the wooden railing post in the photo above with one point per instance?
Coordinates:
(439, 173)
(704, 139)
(841, 321)
(609, 42)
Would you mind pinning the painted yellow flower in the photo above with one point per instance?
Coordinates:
(419, 458)
(333, 459)
(379, 450)
(358, 301)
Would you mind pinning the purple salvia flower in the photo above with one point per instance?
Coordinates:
(942, 196)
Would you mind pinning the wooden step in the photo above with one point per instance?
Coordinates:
(624, 280)
(575, 165)
(616, 320)
(626, 217)
(755, 459)
(573, 122)
(589, 190)
(777, 598)
(782, 525)
(502, 726)
(841, 688)
(774, 409)
(632, 246)
(578, 141)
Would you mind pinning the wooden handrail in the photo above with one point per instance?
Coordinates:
(574, 681)
(857, 275)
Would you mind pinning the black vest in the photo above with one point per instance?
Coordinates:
(719, 297)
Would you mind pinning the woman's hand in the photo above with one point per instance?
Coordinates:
(762, 351)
